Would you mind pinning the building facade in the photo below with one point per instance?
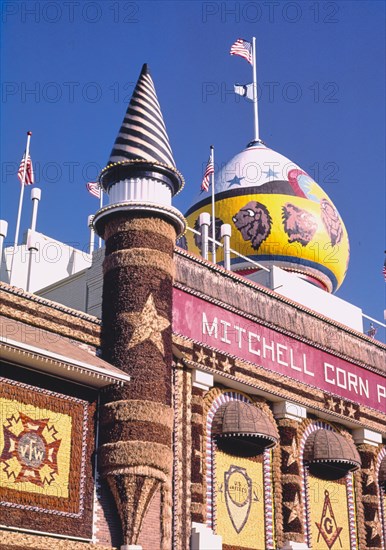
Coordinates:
(198, 407)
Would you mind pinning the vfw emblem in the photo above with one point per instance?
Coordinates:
(30, 451)
(328, 527)
(238, 496)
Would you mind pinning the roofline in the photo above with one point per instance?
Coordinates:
(64, 365)
(235, 277)
(32, 297)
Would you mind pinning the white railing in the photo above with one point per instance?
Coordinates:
(205, 247)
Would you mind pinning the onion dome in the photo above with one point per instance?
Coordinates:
(330, 455)
(382, 473)
(279, 216)
(243, 428)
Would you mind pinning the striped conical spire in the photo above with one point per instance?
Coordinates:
(143, 133)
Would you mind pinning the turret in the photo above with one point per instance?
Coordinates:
(140, 227)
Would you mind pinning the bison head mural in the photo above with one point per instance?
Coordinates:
(254, 223)
(331, 222)
(299, 224)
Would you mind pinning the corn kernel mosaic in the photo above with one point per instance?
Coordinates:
(240, 501)
(45, 443)
(328, 514)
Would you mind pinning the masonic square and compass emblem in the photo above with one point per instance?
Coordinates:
(327, 526)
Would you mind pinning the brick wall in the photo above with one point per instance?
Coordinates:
(107, 526)
(150, 537)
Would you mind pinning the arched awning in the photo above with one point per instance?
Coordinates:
(382, 473)
(330, 455)
(239, 426)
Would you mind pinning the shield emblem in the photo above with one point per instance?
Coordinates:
(238, 496)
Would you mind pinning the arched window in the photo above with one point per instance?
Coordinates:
(381, 478)
(239, 439)
(328, 460)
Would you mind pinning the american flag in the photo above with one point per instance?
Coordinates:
(93, 187)
(384, 268)
(29, 171)
(243, 48)
(372, 331)
(208, 171)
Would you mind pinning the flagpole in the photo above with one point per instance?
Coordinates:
(26, 155)
(255, 98)
(100, 206)
(213, 213)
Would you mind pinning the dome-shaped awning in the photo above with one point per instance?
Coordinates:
(244, 423)
(330, 454)
(382, 473)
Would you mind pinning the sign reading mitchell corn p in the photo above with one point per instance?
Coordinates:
(231, 333)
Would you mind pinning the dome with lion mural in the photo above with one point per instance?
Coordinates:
(279, 216)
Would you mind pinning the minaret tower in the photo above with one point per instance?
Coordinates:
(140, 227)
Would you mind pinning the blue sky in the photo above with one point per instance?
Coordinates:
(68, 70)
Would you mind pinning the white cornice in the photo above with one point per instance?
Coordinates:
(58, 365)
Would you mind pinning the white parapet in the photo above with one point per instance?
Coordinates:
(51, 262)
(3, 228)
(203, 538)
(295, 288)
(3, 234)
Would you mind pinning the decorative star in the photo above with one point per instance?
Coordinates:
(148, 325)
(236, 180)
(370, 479)
(214, 360)
(294, 506)
(226, 365)
(351, 411)
(376, 529)
(293, 455)
(200, 356)
(341, 406)
(331, 404)
(270, 173)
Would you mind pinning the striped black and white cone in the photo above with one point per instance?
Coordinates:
(141, 172)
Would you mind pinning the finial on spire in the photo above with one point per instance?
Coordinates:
(143, 135)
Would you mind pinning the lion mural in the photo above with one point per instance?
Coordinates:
(332, 223)
(254, 223)
(299, 224)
